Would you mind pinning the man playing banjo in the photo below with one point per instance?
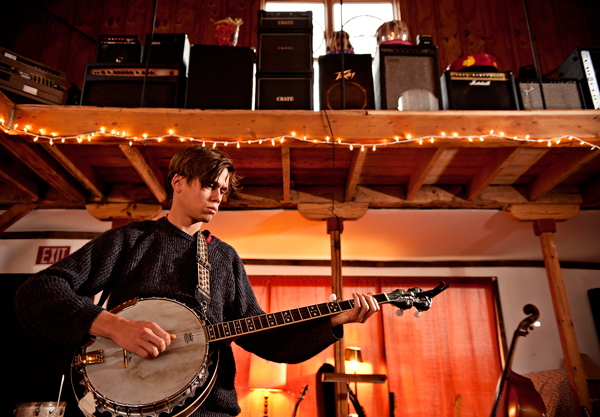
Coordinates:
(160, 258)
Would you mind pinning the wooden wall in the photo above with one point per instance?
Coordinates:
(63, 33)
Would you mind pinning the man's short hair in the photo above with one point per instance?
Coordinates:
(204, 164)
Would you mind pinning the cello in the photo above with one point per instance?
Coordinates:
(515, 394)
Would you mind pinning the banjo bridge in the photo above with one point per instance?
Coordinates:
(88, 358)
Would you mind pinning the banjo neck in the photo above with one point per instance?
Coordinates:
(236, 328)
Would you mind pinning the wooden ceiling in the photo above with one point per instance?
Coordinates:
(474, 170)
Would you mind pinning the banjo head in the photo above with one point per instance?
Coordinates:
(157, 383)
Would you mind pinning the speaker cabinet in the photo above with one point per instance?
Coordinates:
(558, 94)
(284, 92)
(583, 65)
(406, 77)
(285, 53)
(119, 49)
(220, 77)
(167, 48)
(113, 85)
(479, 91)
(358, 82)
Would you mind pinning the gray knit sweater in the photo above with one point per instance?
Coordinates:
(155, 258)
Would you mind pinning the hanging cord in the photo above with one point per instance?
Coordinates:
(149, 47)
(535, 59)
(332, 163)
(343, 81)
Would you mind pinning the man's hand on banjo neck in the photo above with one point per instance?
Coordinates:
(147, 339)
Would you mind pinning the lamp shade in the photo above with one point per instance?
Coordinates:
(353, 356)
(266, 375)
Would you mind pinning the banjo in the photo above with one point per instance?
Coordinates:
(110, 381)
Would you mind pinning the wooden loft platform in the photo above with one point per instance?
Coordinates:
(377, 159)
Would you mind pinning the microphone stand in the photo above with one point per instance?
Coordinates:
(299, 399)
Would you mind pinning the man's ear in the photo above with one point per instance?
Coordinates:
(176, 183)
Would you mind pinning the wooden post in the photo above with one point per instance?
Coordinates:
(545, 229)
(335, 226)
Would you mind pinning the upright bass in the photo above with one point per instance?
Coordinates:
(515, 395)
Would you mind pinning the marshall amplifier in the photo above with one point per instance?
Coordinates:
(284, 92)
(167, 48)
(220, 77)
(406, 77)
(358, 82)
(119, 49)
(121, 85)
(25, 81)
(479, 91)
(583, 65)
(558, 94)
(284, 21)
(285, 53)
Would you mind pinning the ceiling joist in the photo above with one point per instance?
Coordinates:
(148, 174)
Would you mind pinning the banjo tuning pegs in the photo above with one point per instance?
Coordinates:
(417, 313)
(399, 312)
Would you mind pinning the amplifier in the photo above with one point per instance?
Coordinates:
(406, 77)
(121, 85)
(25, 81)
(220, 77)
(479, 91)
(167, 48)
(284, 92)
(583, 65)
(285, 53)
(558, 94)
(119, 49)
(285, 21)
(358, 82)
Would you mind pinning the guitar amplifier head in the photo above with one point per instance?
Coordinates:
(119, 49)
(558, 94)
(285, 21)
(583, 65)
(479, 91)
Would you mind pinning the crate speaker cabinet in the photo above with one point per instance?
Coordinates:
(583, 65)
(558, 94)
(479, 91)
(112, 85)
(284, 92)
(167, 48)
(358, 82)
(285, 53)
(406, 77)
(220, 77)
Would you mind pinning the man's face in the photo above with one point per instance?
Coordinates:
(197, 201)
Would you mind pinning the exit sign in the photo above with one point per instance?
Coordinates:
(51, 254)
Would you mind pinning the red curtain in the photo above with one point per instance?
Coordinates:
(444, 360)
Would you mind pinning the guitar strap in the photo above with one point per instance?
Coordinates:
(203, 287)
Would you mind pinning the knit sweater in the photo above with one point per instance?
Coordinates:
(157, 259)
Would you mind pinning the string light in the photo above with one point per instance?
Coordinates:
(397, 140)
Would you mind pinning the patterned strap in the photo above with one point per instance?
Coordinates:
(203, 288)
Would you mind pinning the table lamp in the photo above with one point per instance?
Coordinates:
(267, 376)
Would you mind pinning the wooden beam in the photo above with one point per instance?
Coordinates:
(80, 171)
(591, 191)
(6, 108)
(428, 160)
(533, 212)
(500, 159)
(17, 180)
(286, 170)
(323, 211)
(562, 312)
(568, 164)
(123, 211)
(42, 165)
(351, 125)
(146, 172)
(13, 215)
(358, 159)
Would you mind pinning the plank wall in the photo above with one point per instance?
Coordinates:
(63, 34)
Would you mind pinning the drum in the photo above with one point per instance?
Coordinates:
(45, 409)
